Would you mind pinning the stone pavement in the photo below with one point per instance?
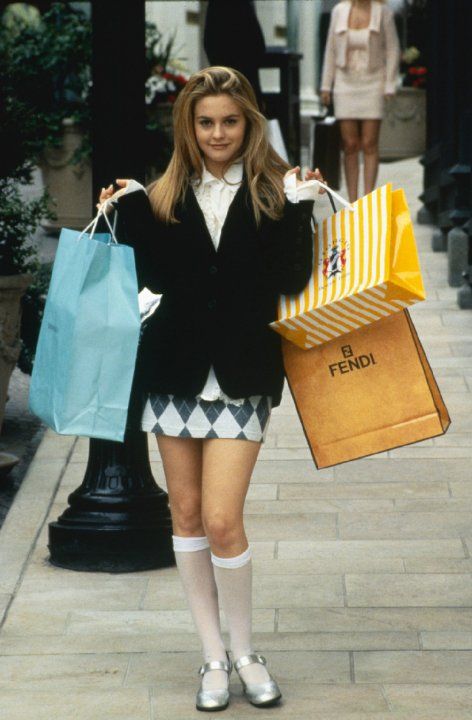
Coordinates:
(362, 587)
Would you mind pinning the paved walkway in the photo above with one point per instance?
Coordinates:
(362, 591)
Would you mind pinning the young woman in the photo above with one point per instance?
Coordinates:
(360, 71)
(217, 236)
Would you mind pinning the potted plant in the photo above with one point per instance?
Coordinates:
(18, 264)
(19, 218)
(413, 71)
(49, 67)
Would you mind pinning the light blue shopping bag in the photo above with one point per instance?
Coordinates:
(86, 352)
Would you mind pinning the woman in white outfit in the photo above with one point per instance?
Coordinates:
(359, 73)
(221, 234)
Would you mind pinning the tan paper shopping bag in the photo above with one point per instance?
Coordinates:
(365, 268)
(369, 391)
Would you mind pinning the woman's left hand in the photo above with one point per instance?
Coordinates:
(309, 175)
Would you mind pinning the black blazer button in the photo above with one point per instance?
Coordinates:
(212, 304)
(297, 266)
(213, 269)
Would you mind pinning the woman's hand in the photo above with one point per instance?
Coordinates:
(325, 98)
(316, 175)
(309, 175)
(108, 194)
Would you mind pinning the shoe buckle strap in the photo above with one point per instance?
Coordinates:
(215, 665)
(249, 660)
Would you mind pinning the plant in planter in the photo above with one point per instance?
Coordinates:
(413, 71)
(49, 77)
(164, 80)
(18, 264)
(19, 147)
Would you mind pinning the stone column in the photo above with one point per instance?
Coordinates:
(308, 18)
(302, 35)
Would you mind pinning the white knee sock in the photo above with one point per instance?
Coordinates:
(234, 582)
(192, 555)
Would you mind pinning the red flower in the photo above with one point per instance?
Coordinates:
(418, 71)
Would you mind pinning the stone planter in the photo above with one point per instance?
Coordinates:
(12, 288)
(70, 186)
(403, 131)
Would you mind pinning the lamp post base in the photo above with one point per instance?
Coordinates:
(118, 520)
(113, 551)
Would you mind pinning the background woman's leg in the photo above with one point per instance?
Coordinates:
(351, 144)
(370, 132)
(227, 470)
(182, 460)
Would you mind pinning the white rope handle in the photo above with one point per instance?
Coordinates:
(340, 199)
(112, 229)
(93, 223)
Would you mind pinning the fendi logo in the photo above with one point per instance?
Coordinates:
(351, 363)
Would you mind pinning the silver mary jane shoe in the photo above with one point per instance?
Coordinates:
(258, 694)
(211, 700)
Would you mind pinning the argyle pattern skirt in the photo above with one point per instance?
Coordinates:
(196, 418)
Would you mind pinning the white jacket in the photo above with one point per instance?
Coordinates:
(383, 48)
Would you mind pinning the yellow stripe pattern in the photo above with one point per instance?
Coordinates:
(352, 283)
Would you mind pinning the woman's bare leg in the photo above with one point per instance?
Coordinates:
(351, 144)
(182, 462)
(227, 470)
(370, 131)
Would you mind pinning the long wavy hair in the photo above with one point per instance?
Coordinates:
(264, 168)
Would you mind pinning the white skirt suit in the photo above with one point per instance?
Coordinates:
(360, 65)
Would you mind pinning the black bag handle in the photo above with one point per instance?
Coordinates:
(331, 200)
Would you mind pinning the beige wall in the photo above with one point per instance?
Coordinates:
(170, 17)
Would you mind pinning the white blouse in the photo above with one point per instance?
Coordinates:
(358, 49)
(215, 195)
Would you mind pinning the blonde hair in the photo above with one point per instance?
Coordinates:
(263, 166)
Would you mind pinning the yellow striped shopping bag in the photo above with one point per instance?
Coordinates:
(366, 267)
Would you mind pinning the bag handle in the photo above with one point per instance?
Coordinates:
(330, 193)
(330, 197)
(93, 223)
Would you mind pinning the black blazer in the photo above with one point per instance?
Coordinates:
(216, 304)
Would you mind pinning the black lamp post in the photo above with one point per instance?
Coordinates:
(118, 520)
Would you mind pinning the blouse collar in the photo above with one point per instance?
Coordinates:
(232, 177)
